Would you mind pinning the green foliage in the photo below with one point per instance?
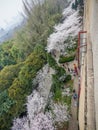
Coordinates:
(72, 43)
(73, 6)
(7, 76)
(41, 19)
(72, 49)
(64, 59)
(81, 3)
(65, 78)
(22, 57)
(56, 88)
(5, 102)
(78, 3)
(67, 100)
(57, 83)
(17, 79)
(5, 56)
(51, 61)
(40, 24)
(60, 71)
(70, 85)
(68, 78)
(33, 63)
(5, 121)
(22, 86)
(71, 40)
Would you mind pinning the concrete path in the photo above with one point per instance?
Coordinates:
(73, 123)
(91, 25)
(94, 40)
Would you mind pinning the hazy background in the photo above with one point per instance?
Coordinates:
(10, 11)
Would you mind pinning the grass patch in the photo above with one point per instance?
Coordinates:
(56, 88)
(58, 84)
(70, 84)
(67, 100)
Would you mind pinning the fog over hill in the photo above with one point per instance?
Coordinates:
(8, 32)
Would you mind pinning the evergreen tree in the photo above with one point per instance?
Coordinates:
(80, 2)
(76, 4)
(73, 6)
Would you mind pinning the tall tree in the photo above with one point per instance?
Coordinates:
(76, 4)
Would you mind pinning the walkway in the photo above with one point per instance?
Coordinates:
(73, 123)
(94, 40)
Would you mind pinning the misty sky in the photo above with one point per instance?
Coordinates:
(8, 10)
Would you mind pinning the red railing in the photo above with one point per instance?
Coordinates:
(79, 46)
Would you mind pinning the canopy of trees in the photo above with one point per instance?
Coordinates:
(22, 57)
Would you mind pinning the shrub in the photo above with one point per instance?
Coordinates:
(7, 76)
(77, 3)
(60, 71)
(5, 102)
(66, 59)
(68, 78)
(81, 3)
(56, 88)
(51, 61)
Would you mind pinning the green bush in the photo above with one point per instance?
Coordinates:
(51, 61)
(57, 85)
(56, 88)
(72, 49)
(17, 80)
(66, 59)
(77, 3)
(68, 78)
(81, 3)
(8, 74)
(5, 102)
(67, 100)
(60, 71)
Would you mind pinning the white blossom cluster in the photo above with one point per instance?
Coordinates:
(20, 124)
(70, 26)
(36, 119)
(44, 78)
(35, 105)
(40, 122)
(60, 113)
(66, 92)
(43, 121)
(36, 102)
